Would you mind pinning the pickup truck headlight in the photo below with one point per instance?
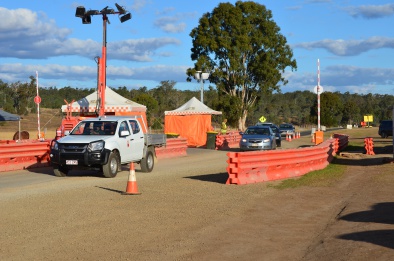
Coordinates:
(55, 145)
(96, 146)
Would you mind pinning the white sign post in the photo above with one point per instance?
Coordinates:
(318, 90)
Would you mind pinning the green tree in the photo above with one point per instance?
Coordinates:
(242, 48)
(151, 104)
(351, 112)
(166, 96)
(331, 108)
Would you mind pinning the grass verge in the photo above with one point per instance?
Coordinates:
(326, 177)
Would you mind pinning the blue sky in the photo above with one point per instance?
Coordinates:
(353, 39)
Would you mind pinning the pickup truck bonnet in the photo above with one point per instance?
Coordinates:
(83, 138)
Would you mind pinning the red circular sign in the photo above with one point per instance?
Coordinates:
(37, 99)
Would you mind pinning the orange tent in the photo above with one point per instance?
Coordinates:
(192, 121)
(115, 104)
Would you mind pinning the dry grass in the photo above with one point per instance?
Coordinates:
(50, 120)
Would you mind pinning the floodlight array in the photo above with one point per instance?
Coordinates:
(81, 12)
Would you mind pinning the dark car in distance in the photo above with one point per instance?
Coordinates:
(257, 138)
(275, 129)
(386, 128)
(286, 128)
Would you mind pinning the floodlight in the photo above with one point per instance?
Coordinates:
(107, 11)
(204, 76)
(86, 19)
(125, 17)
(80, 12)
(120, 9)
(92, 12)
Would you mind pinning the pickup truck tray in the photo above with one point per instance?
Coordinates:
(156, 139)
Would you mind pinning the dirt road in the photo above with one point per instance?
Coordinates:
(186, 212)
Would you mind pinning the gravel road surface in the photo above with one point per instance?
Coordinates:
(186, 212)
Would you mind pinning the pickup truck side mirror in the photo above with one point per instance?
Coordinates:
(66, 132)
(124, 133)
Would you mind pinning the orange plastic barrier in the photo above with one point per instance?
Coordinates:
(24, 154)
(343, 141)
(227, 141)
(28, 154)
(368, 145)
(175, 147)
(261, 166)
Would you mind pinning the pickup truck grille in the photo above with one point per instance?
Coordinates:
(73, 148)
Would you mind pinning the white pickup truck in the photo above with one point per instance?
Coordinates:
(104, 144)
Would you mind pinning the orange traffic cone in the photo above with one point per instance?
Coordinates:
(290, 137)
(287, 137)
(131, 188)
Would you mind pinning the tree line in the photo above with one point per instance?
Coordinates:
(298, 107)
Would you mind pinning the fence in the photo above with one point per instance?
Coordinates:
(230, 140)
(27, 154)
(24, 154)
(261, 166)
(175, 147)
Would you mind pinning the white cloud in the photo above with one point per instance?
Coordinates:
(140, 50)
(344, 78)
(170, 24)
(15, 72)
(349, 47)
(370, 11)
(39, 38)
(23, 24)
(139, 4)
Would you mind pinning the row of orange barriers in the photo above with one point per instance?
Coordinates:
(27, 154)
(261, 166)
(228, 141)
(175, 147)
(24, 154)
(342, 141)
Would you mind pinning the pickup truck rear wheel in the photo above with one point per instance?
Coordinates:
(148, 162)
(60, 171)
(111, 168)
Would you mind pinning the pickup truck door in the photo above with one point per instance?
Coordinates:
(125, 142)
(137, 141)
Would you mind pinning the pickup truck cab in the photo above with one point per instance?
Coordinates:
(104, 144)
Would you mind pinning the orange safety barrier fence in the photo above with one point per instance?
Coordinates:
(227, 141)
(175, 147)
(368, 145)
(343, 141)
(27, 154)
(24, 154)
(261, 166)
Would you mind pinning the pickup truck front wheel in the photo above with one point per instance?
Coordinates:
(111, 168)
(60, 171)
(148, 162)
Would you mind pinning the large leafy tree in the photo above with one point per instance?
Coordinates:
(331, 109)
(242, 48)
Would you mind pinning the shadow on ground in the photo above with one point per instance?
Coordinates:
(380, 213)
(217, 178)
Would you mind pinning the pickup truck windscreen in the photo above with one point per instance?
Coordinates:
(95, 128)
